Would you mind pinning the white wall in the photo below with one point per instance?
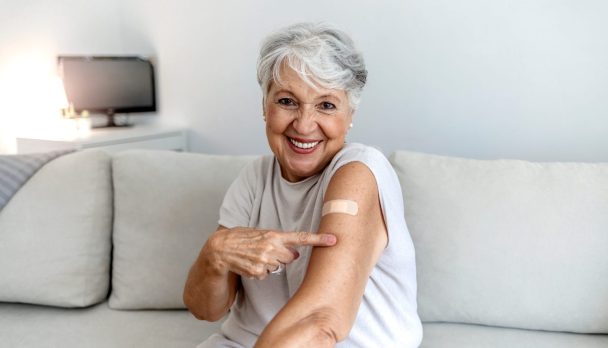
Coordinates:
(475, 78)
(485, 79)
(32, 34)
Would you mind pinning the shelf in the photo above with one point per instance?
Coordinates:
(110, 139)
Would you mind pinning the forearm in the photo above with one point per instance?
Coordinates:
(240, 251)
(315, 330)
(210, 289)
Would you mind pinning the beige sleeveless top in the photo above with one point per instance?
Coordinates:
(262, 199)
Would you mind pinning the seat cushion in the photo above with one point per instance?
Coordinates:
(443, 335)
(166, 205)
(99, 327)
(55, 234)
(509, 243)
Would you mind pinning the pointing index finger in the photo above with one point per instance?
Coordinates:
(308, 238)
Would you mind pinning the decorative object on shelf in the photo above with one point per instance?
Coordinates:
(81, 122)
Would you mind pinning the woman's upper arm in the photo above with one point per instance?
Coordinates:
(336, 277)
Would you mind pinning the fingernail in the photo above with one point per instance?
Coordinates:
(330, 239)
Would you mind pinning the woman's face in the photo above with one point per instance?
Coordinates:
(305, 127)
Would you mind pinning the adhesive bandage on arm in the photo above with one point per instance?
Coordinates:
(342, 206)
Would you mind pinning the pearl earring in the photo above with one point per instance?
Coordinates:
(351, 126)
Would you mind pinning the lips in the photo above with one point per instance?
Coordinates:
(303, 146)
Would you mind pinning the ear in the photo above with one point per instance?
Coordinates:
(349, 119)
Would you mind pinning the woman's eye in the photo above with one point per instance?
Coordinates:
(328, 106)
(286, 102)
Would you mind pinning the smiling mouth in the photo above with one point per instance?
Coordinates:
(303, 146)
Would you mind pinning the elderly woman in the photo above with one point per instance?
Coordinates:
(312, 247)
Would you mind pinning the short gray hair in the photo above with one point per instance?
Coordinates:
(321, 54)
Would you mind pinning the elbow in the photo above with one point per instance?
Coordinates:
(329, 328)
(326, 337)
(197, 309)
(190, 304)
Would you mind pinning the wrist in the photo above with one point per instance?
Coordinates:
(211, 256)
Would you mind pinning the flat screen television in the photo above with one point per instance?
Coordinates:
(108, 84)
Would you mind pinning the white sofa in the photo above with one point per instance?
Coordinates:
(94, 250)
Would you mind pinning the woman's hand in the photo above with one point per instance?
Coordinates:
(212, 282)
(255, 253)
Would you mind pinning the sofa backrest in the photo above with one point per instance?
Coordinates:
(503, 243)
(166, 204)
(509, 243)
(55, 234)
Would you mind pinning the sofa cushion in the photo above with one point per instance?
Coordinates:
(509, 243)
(442, 335)
(166, 205)
(55, 234)
(30, 326)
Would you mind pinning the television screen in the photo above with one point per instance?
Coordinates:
(108, 84)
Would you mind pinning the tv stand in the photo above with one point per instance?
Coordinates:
(157, 137)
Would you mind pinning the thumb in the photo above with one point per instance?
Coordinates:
(307, 238)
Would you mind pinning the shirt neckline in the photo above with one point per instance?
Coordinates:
(293, 184)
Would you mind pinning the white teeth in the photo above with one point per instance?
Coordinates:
(303, 145)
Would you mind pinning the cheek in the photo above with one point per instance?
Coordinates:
(276, 120)
(275, 125)
(335, 129)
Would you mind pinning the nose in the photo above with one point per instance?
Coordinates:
(306, 122)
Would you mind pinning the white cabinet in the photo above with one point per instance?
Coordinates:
(110, 139)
